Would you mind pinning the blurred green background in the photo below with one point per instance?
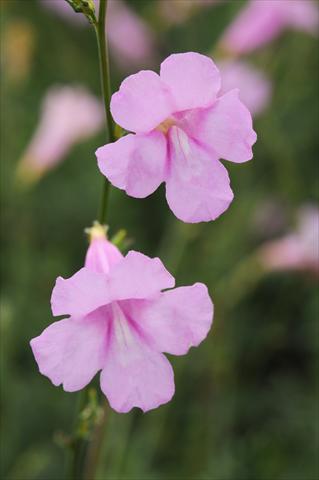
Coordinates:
(246, 402)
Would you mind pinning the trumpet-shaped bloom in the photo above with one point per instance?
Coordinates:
(120, 322)
(298, 250)
(182, 127)
(254, 87)
(69, 114)
(261, 21)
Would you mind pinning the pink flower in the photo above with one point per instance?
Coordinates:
(131, 39)
(178, 11)
(120, 321)
(298, 250)
(69, 114)
(181, 128)
(254, 87)
(260, 21)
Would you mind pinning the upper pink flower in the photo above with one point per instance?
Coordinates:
(298, 250)
(182, 127)
(260, 21)
(120, 322)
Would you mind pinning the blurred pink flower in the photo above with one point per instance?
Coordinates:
(298, 250)
(254, 87)
(131, 39)
(181, 128)
(262, 20)
(69, 114)
(177, 11)
(120, 322)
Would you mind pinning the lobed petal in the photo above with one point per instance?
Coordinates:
(138, 276)
(135, 163)
(80, 294)
(135, 375)
(193, 79)
(142, 102)
(197, 187)
(177, 320)
(226, 128)
(72, 351)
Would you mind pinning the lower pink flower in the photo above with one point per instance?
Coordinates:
(120, 322)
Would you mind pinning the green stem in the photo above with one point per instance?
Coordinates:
(78, 445)
(95, 447)
(84, 454)
(106, 92)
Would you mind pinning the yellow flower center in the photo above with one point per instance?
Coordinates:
(166, 125)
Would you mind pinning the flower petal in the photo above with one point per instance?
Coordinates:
(226, 128)
(177, 320)
(135, 163)
(142, 102)
(135, 375)
(80, 294)
(138, 276)
(193, 79)
(71, 351)
(197, 187)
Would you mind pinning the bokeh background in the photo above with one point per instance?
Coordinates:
(246, 402)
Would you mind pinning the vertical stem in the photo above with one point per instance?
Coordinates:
(79, 444)
(95, 447)
(106, 92)
(84, 454)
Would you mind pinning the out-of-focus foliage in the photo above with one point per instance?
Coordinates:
(246, 403)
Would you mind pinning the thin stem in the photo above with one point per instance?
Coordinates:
(106, 92)
(78, 446)
(84, 454)
(95, 446)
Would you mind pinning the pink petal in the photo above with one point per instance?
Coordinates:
(135, 163)
(138, 276)
(197, 188)
(226, 128)
(193, 79)
(71, 351)
(80, 294)
(142, 102)
(135, 375)
(177, 320)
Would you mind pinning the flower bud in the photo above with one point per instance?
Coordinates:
(101, 254)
